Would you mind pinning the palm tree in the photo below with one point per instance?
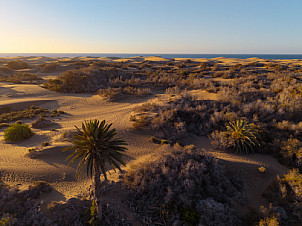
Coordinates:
(95, 145)
(243, 136)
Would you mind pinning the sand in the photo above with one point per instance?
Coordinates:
(50, 165)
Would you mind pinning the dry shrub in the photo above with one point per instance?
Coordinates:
(218, 74)
(24, 76)
(80, 212)
(50, 67)
(5, 71)
(41, 123)
(29, 113)
(21, 77)
(173, 90)
(286, 193)
(219, 140)
(112, 94)
(181, 116)
(291, 151)
(178, 182)
(22, 204)
(69, 213)
(140, 122)
(271, 216)
(89, 79)
(289, 126)
(17, 64)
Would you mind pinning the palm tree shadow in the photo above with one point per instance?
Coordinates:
(52, 155)
(33, 141)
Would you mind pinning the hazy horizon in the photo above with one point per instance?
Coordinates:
(169, 27)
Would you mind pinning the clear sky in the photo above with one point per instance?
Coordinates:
(151, 26)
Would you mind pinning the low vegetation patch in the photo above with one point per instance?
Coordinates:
(181, 116)
(118, 93)
(17, 64)
(10, 116)
(42, 123)
(285, 194)
(291, 151)
(17, 132)
(50, 67)
(5, 71)
(21, 207)
(183, 185)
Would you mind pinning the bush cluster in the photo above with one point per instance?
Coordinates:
(17, 64)
(285, 194)
(20, 207)
(50, 67)
(117, 93)
(88, 79)
(272, 101)
(29, 113)
(21, 77)
(5, 71)
(183, 185)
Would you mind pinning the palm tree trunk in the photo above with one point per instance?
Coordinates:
(96, 183)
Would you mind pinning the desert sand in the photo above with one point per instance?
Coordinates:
(50, 164)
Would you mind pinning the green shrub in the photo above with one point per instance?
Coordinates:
(17, 132)
(244, 136)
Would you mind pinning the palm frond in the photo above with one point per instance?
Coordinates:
(95, 145)
(243, 135)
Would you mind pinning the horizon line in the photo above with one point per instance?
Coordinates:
(154, 53)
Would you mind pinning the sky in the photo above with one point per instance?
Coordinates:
(151, 26)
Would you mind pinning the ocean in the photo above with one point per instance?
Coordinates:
(123, 55)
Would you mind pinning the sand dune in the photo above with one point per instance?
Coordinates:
(50, 165)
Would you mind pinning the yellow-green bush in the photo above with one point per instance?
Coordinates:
(17, 132)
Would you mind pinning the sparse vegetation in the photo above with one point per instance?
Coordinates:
(17, 132)
(245, 108)
(21, 207)
(50, 67)
(17, 64)
(117, 93)
(29, 113)
(183, 185)
(21, 77)
(286, 195)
